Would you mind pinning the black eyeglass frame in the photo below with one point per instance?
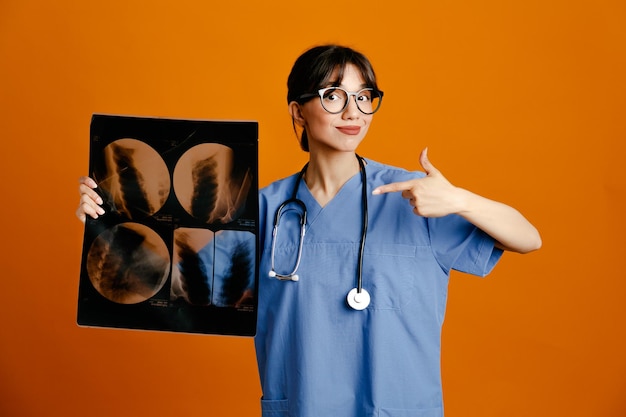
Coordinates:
(321, 91)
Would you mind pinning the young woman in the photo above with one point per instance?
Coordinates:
(351, 304)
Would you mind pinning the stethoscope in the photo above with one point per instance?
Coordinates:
(358, 298)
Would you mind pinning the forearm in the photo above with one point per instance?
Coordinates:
(505, 224)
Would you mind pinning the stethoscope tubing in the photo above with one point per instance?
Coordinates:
(364, 223)
(357, 298)
(292, 276)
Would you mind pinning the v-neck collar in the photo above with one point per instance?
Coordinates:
(314, 208)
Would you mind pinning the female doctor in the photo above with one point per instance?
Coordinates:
(356, 257)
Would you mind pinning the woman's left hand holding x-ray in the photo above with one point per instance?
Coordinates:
(434, 196)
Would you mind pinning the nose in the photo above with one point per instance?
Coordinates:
(352, 110)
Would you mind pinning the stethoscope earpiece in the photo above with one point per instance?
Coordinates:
(358, 300)
(290, 277)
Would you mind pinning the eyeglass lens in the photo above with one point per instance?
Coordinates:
(335, 99)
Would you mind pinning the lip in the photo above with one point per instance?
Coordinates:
(349, 130)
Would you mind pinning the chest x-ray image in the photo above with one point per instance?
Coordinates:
(177, 247)
(128, 263)
(207, 186)
(133, 177)
(213, 268)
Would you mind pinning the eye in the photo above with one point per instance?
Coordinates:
(364, 96)
(333, 94)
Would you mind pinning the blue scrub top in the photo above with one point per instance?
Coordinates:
(317, 357)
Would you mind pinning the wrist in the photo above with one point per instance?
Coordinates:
(463, 201)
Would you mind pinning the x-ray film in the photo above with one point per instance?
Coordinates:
(177, 248)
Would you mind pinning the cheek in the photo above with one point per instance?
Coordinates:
(366, 126)
(317, 122)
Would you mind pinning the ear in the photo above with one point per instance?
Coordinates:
(295, 110)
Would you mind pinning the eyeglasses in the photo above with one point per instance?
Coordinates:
(335, 99)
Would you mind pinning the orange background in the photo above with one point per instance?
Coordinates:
(519, 101)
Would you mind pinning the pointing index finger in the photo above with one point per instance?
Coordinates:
(392, 187)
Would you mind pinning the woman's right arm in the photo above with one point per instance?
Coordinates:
(90, 201)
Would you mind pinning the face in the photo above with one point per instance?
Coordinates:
(341, 132)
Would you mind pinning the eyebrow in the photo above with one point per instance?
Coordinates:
(338, 84)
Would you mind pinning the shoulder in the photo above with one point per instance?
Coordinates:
(277, 190)
(278, 185)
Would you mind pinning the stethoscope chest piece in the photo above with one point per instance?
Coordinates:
(358, 300)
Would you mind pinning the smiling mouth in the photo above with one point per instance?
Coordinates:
(349, 130)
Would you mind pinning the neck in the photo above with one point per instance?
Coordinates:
(326, 175)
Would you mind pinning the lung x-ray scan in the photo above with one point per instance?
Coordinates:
(176, 249)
